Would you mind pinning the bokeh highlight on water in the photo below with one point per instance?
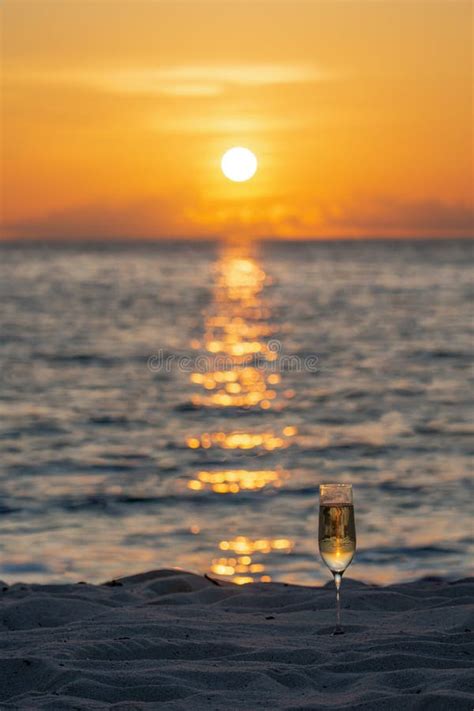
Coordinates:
(161, 406)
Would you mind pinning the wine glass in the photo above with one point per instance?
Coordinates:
(337, 536)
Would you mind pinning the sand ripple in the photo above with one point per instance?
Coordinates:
(173, 640)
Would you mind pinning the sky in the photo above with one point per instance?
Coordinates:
(115, 115)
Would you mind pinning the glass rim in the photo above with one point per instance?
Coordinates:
(349, 486)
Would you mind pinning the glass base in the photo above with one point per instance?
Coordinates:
(338, 630)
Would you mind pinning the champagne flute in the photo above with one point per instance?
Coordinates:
(337, 536)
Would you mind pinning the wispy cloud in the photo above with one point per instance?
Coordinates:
(181, 80)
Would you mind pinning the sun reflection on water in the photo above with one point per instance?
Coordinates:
(241, 387)
(243, 375)
(237, 332)
(241, 567)
(243, 440)
(231, 481)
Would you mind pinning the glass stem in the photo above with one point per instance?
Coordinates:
(337, 579)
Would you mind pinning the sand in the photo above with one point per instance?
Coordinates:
(173, 640)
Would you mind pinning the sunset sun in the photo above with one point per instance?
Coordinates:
(239, 164)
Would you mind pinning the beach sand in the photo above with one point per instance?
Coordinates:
(173, 640)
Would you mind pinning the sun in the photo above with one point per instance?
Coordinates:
(239, 164)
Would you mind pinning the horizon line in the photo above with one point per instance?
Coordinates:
(129, 240)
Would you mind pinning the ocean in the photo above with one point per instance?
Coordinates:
(178, 404)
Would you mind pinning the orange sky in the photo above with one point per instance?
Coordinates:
(115, 116)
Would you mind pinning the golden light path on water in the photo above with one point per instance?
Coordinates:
(231, 481)
(241, 566)
(242, 440)
(236, 332)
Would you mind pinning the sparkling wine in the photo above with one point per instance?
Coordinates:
(337, 536)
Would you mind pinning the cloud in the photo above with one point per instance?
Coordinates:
(192, 217)
(391, 216)
(384, 217)
(179, 80)
(153, 217)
